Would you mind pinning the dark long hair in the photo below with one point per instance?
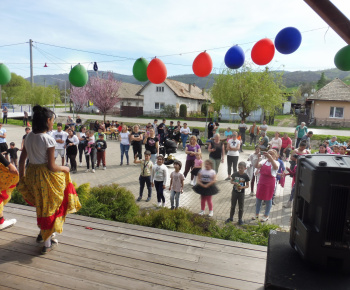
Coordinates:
(40, 116)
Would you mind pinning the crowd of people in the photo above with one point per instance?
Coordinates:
(264, 169)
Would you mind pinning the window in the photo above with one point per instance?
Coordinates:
(122, 103)
(158, 106)
(160, 89)
(137, 104)
(336, 112)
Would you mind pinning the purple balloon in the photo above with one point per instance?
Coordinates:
(288, 40)
(234, 57)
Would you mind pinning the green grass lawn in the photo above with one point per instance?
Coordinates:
(20, 123)
(283, 117)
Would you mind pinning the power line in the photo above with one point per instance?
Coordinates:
(86, 51)
(166, 55)
(46, 56)
(13, 44)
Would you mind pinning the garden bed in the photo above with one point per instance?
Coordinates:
(112, 202)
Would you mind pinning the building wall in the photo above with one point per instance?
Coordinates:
(166, 97)
(322, 112)
(228, 115)
(129, 102)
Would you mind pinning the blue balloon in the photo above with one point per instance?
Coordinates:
(234, 57)
(288, 40)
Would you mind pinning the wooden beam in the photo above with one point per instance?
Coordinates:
(332, 16)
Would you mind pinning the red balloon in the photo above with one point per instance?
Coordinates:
(156, 71)
(263, 51)
(202, 65)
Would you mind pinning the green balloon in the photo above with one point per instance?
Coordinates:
(342, 58)
(78, 76)
(139, 69)
(5, 75)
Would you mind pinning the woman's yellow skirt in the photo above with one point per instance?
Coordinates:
(53, 195)
(8, 183)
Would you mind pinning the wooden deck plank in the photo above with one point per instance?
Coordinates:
(13, 281)
(218, 281)
(136, 243)
(137, 228)
(129, 235)
(106, 279)
(160, 248)
(234, 262)
(51, 280)
(169, 252)
(111, 263)
(123, 256)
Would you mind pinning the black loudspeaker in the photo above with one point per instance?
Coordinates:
(320, 227)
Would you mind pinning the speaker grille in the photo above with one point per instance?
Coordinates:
(338, 203)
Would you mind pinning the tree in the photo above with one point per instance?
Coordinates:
(322, 81)
(80, 97)
(246, 91)
(103, 93)
(16, 91)
(39, 95)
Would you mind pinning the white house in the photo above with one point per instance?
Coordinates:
(171, 92)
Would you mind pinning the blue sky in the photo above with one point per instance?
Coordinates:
(134, 28)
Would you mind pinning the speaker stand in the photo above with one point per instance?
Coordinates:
(285, 269)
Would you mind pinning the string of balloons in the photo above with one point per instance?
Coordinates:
(287, 41)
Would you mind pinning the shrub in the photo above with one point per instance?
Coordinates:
(183, 111)
(183, 220)
(83, 192)
(252, 234)
(16, 197)
(180, 220)
(110, 202)
(204, 109)
(169, 111)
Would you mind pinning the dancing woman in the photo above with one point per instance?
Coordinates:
(43, 183)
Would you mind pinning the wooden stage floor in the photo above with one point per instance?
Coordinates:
(121, 256)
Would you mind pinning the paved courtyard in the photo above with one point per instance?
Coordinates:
(128, 176)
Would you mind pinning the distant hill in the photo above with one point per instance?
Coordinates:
(296, 78)
(290, 79)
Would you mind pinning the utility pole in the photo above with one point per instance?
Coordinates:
(31, 62)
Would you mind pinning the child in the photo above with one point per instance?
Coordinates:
(206, 186)
(342, 150)
(44, 184)
(159, 179)
(13, 154)
(101, 146)
(196, 168)
(240, 180)
(176, 184)
(90, 139)
(145, 176)
(254, 160)
(293, 161)
(292, 172)
(336, 150)
(280, 177)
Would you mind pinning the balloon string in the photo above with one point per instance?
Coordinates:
(324, 37)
